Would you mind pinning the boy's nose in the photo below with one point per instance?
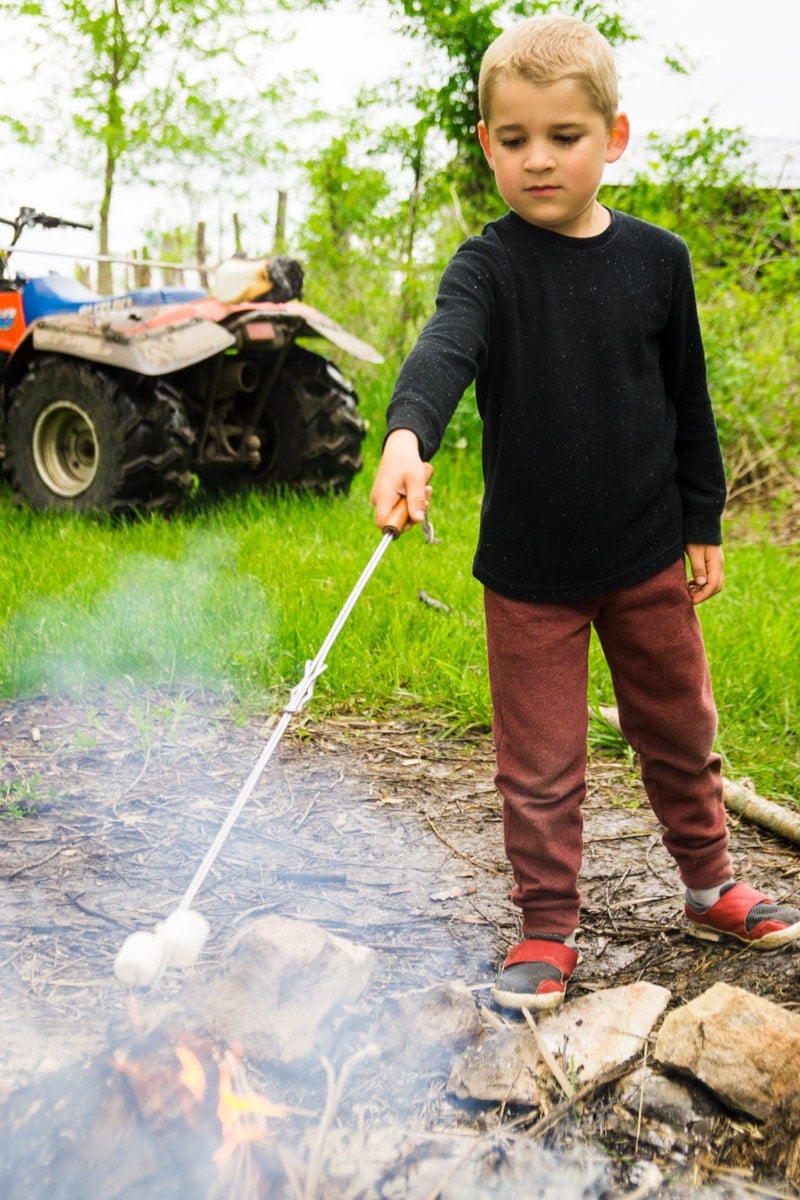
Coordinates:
(539, 157)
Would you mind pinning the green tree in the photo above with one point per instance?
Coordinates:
(457, 33)
(346, 233)
(378, 211)
(144, 85)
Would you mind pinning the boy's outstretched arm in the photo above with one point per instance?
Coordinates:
(706, 567)
(401, 475)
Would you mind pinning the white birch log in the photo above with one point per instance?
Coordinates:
(741, 798)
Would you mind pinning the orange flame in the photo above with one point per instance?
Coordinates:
(164, 1094)
(191, 1075)
(242, 1115)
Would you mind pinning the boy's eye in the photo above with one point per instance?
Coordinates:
(566, 139)
(511, 143)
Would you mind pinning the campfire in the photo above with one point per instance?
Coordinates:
(334, 1039)
(201, 1081)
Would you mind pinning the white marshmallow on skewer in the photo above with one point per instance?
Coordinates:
(140, 959)
(183, 934)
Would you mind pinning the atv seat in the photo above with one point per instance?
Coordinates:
(57, 293)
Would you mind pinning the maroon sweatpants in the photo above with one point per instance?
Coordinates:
(538, 671)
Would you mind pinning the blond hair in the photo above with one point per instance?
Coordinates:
(547, 49)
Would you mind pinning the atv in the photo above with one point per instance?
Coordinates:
(122, 404)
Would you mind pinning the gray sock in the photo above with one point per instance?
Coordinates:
(701, 899)
(570, 940)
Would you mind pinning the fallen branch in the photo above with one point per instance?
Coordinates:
(41, 861)
(741, 798)
(567, 1106)
(439, 605)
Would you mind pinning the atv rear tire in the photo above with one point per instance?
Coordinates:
(310, 430)
(82, 439)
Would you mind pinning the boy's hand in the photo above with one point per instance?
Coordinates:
(402, 476)
(706, 566)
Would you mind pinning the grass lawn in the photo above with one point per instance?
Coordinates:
(241, 592)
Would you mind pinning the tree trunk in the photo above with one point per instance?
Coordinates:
(105, 282)
(104, 276)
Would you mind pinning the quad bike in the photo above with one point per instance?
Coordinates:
(122, 403)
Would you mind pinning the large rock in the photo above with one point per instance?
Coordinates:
(430, 1024)
(282, 991)
(744, 1048)
(586, 1037)
(603, 1029)
(504, 1068)
(683, 1105)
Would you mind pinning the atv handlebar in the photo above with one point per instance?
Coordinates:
(28, 217)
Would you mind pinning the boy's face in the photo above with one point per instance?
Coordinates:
(547, 147)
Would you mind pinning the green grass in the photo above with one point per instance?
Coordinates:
(238, 594)
(752, 633)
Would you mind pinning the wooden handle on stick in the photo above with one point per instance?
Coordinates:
(398, 518)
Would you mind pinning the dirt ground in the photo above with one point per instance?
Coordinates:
(378, 832)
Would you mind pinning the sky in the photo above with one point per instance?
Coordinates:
(744, 55)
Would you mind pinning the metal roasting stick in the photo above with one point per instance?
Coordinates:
(144, 956)
(298, 698)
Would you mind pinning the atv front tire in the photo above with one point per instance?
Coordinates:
(83, 439)
(311, 431)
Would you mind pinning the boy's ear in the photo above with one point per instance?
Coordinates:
(483, 138)
(618, 137)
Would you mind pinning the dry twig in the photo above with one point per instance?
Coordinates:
(547, 1057)
(336, 1089)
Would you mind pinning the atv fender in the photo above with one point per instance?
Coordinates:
(326, 327)
(305, 321)
(124, 340)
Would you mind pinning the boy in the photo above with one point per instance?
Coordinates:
(601, 469)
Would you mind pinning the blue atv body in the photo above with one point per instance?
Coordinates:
(51, 294)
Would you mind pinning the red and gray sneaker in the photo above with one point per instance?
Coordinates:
(535, 973)
(746, 915)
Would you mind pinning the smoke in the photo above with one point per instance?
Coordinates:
(161, 621)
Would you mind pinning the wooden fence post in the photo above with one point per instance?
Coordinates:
(200, 248)
(169, 276)
(141, 272)
(279, 244)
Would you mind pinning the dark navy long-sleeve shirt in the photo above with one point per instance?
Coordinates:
(600, 453)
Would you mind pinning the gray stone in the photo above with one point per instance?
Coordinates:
(503, 1068)
(744, 1048)
(430, 1023)
(597, 1031)
(283, 989)
(585, 1037)
(660, 1098)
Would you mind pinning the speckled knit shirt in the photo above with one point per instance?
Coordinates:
(600, 452)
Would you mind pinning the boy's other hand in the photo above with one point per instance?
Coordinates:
(402, 476)
(706, 567)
